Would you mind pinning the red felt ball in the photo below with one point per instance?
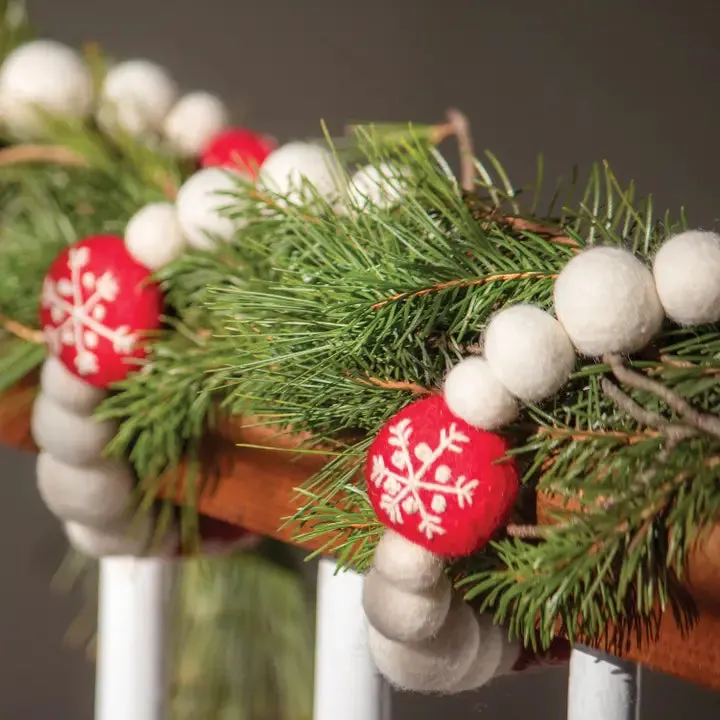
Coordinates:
(238, 148)
(436, 480)
(97, 302)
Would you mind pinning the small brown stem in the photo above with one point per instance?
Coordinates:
(526, 531)
(522, 225)
(452, 284)
(396, 385)
(54, 154)
(703, 422)
(461, 129)
(22, 331)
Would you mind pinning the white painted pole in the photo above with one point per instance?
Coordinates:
(131, 677)
(602, 687)
(347, 685)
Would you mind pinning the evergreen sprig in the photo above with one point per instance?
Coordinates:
(360, 310)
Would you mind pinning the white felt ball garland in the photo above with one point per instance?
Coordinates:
(687, 277)
(381, 187)
(135, 98)
(193, 121)
(153, 235)
(606, 301)
(200, 203)
(290, 170)
(422, 637)
(39, 77)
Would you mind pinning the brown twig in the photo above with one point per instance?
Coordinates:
(396, 385)
(703, 422)
(22, 331)
(580, 435)
(55, 154)
(553, 236)
(452, 284)
(674, 432)
(461, 129)
(526, 532)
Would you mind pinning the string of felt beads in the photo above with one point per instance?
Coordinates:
(606, 302)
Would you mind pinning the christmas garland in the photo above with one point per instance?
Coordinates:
(447, 339)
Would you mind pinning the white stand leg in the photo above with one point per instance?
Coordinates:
(347, 685)
(602, 687)
(131, 681)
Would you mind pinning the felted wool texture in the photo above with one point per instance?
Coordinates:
(435, 665)
(292, 167)
(135, 98)
(96, 494)
(239, 149)
(194, 120)
(529, 352)
(135, 537)
(495, 656)
(687, 277)
(153, 236)
(200, 203)
(47, 76)
(474, 393)
(71, 438)
(436, 480)
(381, 187)
(67, 390)
(409, 566)
(403, 615)
(127, 539)
(606, 300)
(96, 306)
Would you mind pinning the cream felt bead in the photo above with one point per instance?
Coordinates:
(130, 538)
(687, 277)
(289, 170)
(135, 97)
(403, 615)
(71, 438)
(474, 394)
(529, 352)
(134, 537)
(407, 565)
(382, 186)
(194, 120)
(606, 300)
(67, 390)
(434, 665)
(153, 236)
(95, 494)
(200, 203)
(43, 76)
(495, 657)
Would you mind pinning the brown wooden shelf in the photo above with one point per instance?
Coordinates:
(254, 489)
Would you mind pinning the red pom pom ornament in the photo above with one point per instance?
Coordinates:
(438, 482)
(238, 149)
(97, 302)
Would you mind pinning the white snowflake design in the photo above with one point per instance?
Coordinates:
(78, 321)
(404, 486)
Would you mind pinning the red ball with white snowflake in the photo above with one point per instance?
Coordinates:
(97, 304)
(440, 482)
(238, 149)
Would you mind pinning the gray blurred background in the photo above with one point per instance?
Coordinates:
(630, 81)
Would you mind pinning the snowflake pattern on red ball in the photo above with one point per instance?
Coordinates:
(437, 481)
(96, 305)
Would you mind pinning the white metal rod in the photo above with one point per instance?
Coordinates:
(347, 685)
(602, 687)
(131, 679)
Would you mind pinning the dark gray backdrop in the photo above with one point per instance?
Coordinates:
(631, 81)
